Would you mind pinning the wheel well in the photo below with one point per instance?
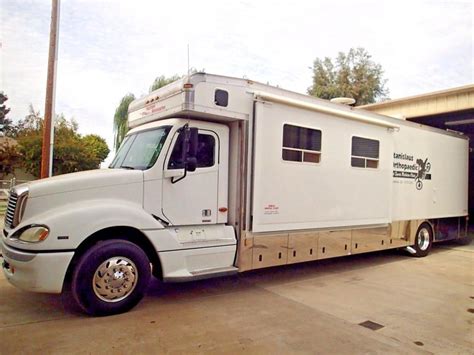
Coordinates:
(428, 222)
(418, 225)
(121, 232)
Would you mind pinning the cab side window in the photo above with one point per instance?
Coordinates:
(205, 152)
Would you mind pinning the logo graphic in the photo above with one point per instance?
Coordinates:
(407, 169)
(422, 174)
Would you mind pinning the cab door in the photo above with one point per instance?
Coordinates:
(191, 198)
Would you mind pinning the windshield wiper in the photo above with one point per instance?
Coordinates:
(127, 167)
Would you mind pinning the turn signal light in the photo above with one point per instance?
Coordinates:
(43, 235)
(33, 234)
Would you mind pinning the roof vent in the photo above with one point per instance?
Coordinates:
(343, 100)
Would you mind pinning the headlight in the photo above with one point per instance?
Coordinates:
(33, 234)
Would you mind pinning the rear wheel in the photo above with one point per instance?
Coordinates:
(110, 278)
(423, 241)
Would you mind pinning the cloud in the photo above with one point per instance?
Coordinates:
(109, 48)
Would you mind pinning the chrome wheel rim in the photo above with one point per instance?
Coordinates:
(423, 239)
(115, 279)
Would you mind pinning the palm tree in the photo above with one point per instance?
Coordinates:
(121, 120)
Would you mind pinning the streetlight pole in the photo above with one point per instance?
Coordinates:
(48, 125)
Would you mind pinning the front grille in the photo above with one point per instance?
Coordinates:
(10, 214)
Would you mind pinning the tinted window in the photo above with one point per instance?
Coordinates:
(365, 153)
(301, 144)
(358, 162)
(221, 98)
(363, 147)
(301, 137)
(205, 152)
(292, 155)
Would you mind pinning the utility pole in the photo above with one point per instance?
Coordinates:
(48, 125)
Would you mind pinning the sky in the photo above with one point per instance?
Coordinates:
(110, 48)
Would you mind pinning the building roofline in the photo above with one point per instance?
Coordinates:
(430, 95)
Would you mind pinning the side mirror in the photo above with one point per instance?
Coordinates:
(188, 150)
(193, 142)
(191, 157)
(191, 164)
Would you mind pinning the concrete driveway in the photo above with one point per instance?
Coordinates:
(415, 305)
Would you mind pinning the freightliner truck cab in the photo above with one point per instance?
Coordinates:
(161, 208)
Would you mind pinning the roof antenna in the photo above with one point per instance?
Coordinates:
(187, 81)
(188, 59)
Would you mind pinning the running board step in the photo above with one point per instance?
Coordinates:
(204, 274)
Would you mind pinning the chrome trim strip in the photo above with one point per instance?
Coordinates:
(16, 255)
(179, 279)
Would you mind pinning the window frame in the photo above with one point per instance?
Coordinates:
(200, 131)
(365, 167)
(302, 161)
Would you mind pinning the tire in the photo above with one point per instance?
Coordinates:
(423, 241)
(110, 278)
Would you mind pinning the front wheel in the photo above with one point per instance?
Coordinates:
(110, 278)
(423, 241)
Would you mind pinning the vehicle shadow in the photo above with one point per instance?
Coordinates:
(20, 307)
(272, 276)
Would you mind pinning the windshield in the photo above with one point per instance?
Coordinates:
(140, 150)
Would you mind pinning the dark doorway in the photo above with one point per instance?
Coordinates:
(460, 121)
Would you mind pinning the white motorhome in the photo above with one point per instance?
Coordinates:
(221, 175)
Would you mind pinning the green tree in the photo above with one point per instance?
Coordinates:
(9, 128)
(72, 152)
(161, 81)
(121, 113)
(353, 75)
(3, 111)
(10, 157)
(121, 120)
(97, 145)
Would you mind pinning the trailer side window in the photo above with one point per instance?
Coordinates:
(205, 152)
(301, 144)
(365, 153)
(221, 98)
